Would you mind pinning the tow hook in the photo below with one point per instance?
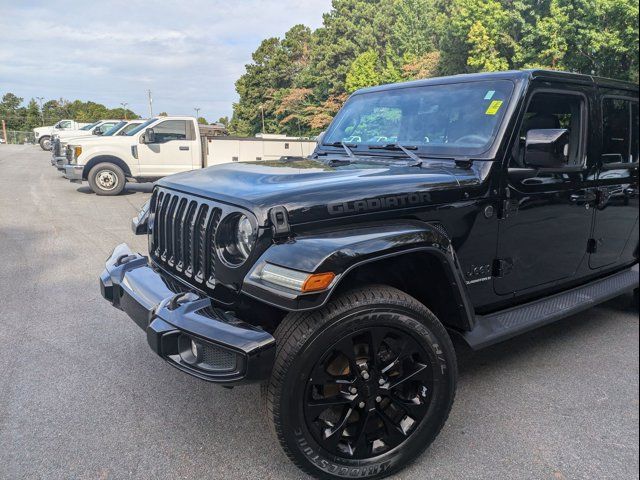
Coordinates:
(122, 259)
(180, 299)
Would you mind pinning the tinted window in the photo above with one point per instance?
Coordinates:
(170, 130)
(90, 126)
(458, 118)
(126, 130)
(616, 130)
(552, 111)
(113, 129)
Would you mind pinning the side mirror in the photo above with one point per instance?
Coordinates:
(149, 136)
(320, 137)
(97, 131)
(547, 148)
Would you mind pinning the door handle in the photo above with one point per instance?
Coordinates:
(585, 197)
(184, 148)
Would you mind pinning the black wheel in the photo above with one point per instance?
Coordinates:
(45, 143)
(361, 387)
(106, 179)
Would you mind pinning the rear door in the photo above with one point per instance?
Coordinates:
(172, 152)
(617, 204)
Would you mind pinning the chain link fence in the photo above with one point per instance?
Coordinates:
(18, 137)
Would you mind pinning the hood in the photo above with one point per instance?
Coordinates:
(97, 139)
(43, 129)
(311, 190)
(66, 134)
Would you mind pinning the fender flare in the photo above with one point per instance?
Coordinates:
(342, 251)
(105, 159)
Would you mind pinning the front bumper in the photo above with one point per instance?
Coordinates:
(73, 173)
(227, 350)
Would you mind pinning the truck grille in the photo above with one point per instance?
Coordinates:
(182, 236)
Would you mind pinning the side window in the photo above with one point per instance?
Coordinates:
(549, 110)
(106, 127)
(171, 130)
(616, 130)
(128, 128)
(64, 125)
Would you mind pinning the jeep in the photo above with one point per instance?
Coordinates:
(472, 207)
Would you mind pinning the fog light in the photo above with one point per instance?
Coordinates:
(194, 349)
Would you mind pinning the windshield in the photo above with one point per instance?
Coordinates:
(460, 118)
(141, 127)
(90, 126)
(114, 129)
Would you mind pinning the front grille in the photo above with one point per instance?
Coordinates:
(69, 154)
(182, 236)
(56, 147)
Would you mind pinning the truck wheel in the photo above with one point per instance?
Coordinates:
(45, 143)
(362, 386)
(106, 179)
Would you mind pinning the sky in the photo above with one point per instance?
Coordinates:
(189, 53)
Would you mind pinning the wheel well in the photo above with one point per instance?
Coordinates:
(421, 275)
(105, 159)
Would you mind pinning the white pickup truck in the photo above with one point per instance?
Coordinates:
(43, 134)
(59, 146)
(166, 145)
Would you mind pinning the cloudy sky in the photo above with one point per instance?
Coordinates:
(189, 53)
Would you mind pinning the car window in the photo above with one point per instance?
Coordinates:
(66, 124)
(105, 127)
(128, 128)
(616, 130)
(550, 110)
(114, 128)
(170, 130)
(90, 126)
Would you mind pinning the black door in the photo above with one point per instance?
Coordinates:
(617, 205)
(548, 216)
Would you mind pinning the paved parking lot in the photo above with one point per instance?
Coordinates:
(82, 396)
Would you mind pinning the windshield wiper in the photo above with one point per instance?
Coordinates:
(347, 147)
(396, 146)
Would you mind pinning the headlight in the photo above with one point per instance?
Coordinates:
(235, 239)
(299, 282)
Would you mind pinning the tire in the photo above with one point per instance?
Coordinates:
(306, 341)
(45, 143)
(106, 179)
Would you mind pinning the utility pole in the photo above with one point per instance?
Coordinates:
(197, 109)
(262, 112)
(150, 104)
(124, 107)
(40, 99)
(4, 132)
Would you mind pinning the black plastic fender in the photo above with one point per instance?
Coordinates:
(340, 251)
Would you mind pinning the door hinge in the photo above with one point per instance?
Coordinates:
(592, 245)
(279, 221)
(502, 267)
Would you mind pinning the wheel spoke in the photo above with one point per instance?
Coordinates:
(316, 407)
(360, 445)
(419, 368)
(415, 409)
(394, 432)
(333, 435)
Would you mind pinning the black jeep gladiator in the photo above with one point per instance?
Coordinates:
(476, 206)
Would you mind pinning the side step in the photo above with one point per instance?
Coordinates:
(509, 323)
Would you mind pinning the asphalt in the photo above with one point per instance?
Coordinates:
(83, 397)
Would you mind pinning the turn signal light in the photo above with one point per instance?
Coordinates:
(318, 281)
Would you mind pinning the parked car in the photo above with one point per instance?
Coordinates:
(43, 134)
(163, 146)
(58, 151)
(507, 201)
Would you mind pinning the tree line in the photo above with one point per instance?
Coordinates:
(297, 83)
(25, 117)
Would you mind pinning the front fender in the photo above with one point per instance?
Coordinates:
(340, 251)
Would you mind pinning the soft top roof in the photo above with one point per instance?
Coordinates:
(510, 75)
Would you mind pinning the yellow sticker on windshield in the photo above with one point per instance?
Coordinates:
(494, 107)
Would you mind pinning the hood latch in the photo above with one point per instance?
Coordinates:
(279, 221)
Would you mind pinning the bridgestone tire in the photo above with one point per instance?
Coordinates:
(304, 337)
(106, 179)
(45, 143)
